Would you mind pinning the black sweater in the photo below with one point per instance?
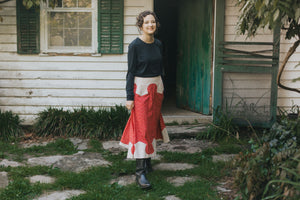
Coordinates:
(144, 60)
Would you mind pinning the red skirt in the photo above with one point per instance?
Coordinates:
(145, 125)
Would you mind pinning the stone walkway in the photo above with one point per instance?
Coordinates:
(82, 160)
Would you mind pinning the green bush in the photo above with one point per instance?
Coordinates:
(84, 122)
(269, 169)
(10, 126)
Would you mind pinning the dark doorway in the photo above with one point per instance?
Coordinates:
(167, 12)
(186, 33)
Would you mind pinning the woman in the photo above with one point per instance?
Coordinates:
(144, 90)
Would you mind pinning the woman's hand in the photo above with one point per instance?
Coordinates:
(129, 105)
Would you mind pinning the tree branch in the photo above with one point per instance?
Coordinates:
(287, 57)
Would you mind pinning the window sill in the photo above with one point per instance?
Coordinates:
(70, 54)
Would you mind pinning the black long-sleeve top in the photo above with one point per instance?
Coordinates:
(144, 60)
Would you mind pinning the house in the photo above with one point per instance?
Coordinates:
(76, 55)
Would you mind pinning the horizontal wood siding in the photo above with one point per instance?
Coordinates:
(285, 98)
(31, 83)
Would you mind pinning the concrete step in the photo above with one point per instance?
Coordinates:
(186, 131)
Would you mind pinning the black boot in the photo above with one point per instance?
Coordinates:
(148, 166)
(140, 173)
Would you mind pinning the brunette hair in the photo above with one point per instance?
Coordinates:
(140, 18)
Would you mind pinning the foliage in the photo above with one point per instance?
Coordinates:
(256, 14)
(102, 123)
(265, 13)
(222, 128)
(268, 170)
(10, 125)
(36, 3)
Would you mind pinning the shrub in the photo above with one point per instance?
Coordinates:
(269, 169)
(10, 126)
(102, 123)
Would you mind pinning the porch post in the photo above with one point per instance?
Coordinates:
(219, 37)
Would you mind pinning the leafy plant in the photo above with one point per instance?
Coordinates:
(10, 126)
(102, 123)
(286, 183)
(272, 161)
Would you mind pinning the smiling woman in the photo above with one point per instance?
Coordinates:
(144, 89)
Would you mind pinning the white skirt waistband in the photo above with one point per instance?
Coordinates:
(142, 84)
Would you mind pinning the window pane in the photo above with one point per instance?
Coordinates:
(71, 37)
(85, 20)
(56, 20)
(71, 20)
(69, 3)
(85, 38)
(70, 29)
(56, 4)
(84, 3)
(57, 38)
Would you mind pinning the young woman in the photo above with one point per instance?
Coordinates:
(144, 88)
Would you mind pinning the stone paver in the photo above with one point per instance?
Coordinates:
(223, 157)
(76, 163)
(3, 179)
(113, 146)
(28, 145)
(60, 195)
(185, 145)
(180, 181)
(172, 197)
(41, 179)
(173, 166)
(124, 180)
(81, 144)
(9, 163)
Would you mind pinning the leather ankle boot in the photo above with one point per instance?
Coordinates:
(148, 166)
(140, 173)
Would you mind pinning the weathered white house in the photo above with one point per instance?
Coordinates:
(76, 55)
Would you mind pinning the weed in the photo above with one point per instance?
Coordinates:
(10, 126)
(222, 128)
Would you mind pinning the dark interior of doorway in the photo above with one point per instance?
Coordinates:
(167, 13)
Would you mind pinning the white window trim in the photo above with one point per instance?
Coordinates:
(44, 30)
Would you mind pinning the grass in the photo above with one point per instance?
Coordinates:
(96, 180)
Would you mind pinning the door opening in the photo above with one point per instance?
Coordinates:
(167, 12)
(186, 33)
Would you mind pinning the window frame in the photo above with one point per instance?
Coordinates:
(44, 43)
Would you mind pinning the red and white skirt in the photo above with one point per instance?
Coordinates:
(145, 125)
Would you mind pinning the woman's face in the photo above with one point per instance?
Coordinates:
(149, 25)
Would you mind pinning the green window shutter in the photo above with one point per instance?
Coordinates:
(110, 26)
(28, 29)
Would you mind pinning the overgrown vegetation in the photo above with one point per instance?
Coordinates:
(10, 126)
(270, 169)
(220, 129)
(89, 123)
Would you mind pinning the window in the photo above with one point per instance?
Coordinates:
(72, 26)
